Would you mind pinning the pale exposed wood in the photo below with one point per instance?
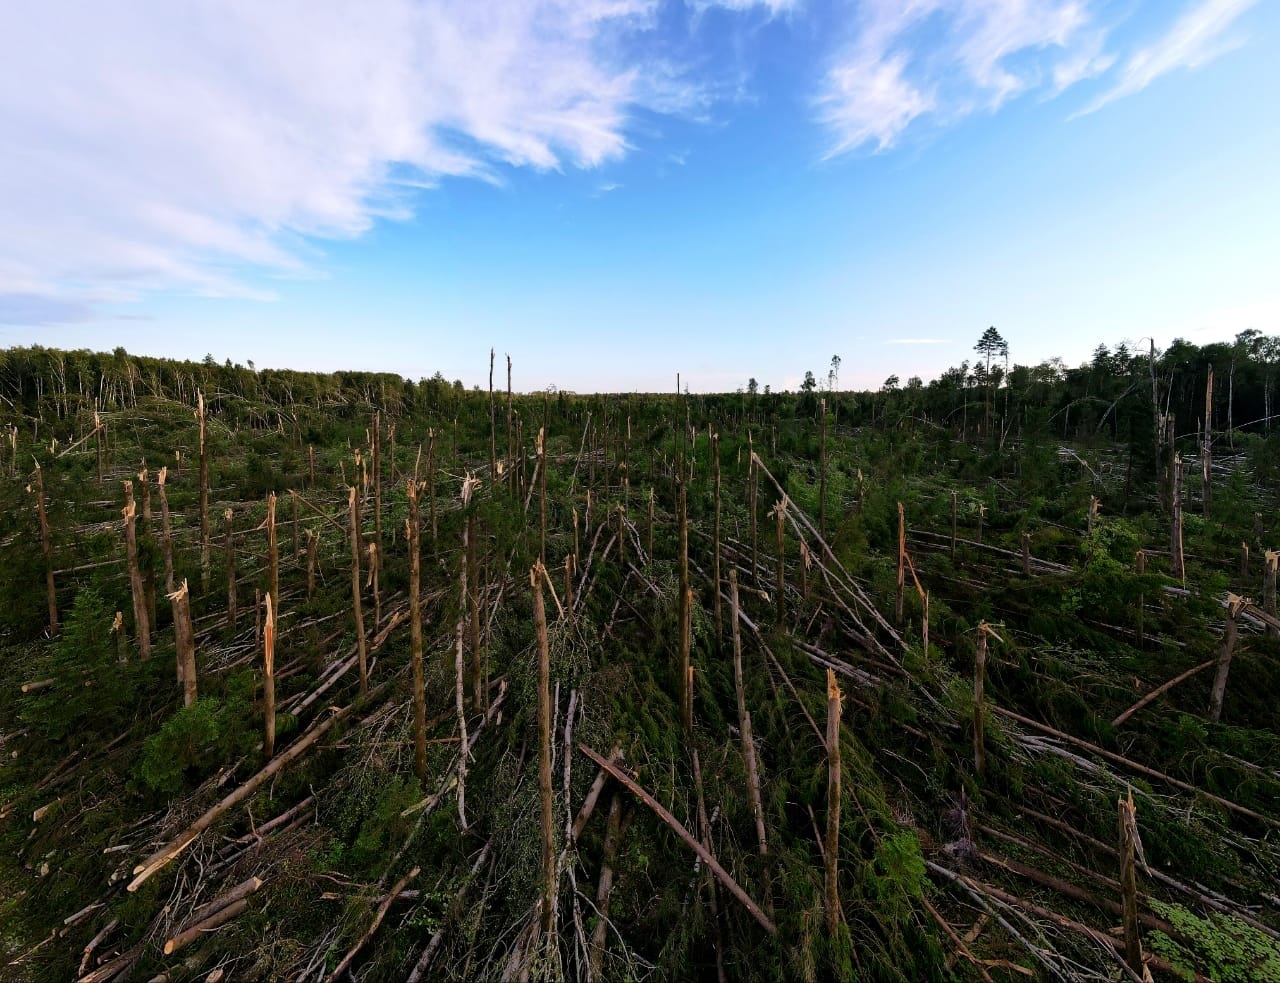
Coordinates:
(831, 849)
(142, 624)
(185, 641)
(269, 681)
(744, 720)
(1159, 691)
(353, 510)
(214, 921)
(547, 906)
(1129, 884)
(343, 967)
(1229, 635)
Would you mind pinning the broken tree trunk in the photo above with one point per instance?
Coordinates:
(479, 693)
(902, 563)
(166, 529)
(1206, 445)
(185, 641)
(604, 888)
(269, 681)
(548, 902)
(822, 475)
(357, 612)
(831, 849)
(1269, 588)
(678, 828)
(1175, 535)
(313, 551)
(1230, 632)
(231, 568)
(202, 420)
(273, 550)
(415, 636)
(744, 719)
(142, 624)
(1129, 884)
(979, 684)
(46, 546)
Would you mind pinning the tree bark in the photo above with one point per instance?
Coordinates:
(357, 610)
(831, 849)
(142, 624)
(744, 720)
(547, 908)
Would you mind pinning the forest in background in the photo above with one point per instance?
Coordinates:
(961, 680)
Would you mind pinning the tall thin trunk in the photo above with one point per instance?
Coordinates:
(780, 520)
(1230, 632)
(273, 550)
(686, 600)
(377, 511)
(1129, 886)
(231, 568)
(547, 911)
(166, 530)
(415, 635)
(1175, 536)
(542, 496)
(744, 719)
(472, 582)
(902, 563)
(459, 705)
(822, 472)
(46, 546)
(313, 550)
(269, 682)
(142, 624)
(1206, 446)
(202, 420)
(493, 433)
(357, 611)
(753, 483)
(431, 485)
(311, 466)
(831, 852)
(293, 495)
(715, 557)
(1269, 588)
(185, 642)
(979, 700)
(1155, 414)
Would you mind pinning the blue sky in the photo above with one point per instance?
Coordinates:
(614, 191)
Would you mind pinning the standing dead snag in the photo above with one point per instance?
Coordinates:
(548, 905)
(142, 624)
(185, 641)
(831, 850)
(462, 730)
(1129, 842)
(470, 577)
(231, 569)
(686, 615)
(166, 530)
(1269, 588)
(1206, 445)
(414, 531)
(269, 681)
(979, 698)
(313, 550)
(1175, 535)
(780, 515)
(902, 562)
(46, 547)
(744, 719)
(377, 511)
(273, 550)
(1229, 634)
(356, 609)
(149, 575)
(542, 495)
(753, 482)
(202, 421)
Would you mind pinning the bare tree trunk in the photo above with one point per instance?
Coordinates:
(142, 624)
(979, 700)
(1206, 445)
(1129, 886)
(431, 485)
(311, 466)
(822, 471)
(493, 434)
(202, 420)
(377, 513)
(148, 577)
(1269, 588)
(1026, 554)
(273, 551)
(46, 546)
(185, 642)
(831, 851)
(548, 904)
(166, 530)
(356, 608)
(753, 482)
(1230, 632)
(462, 729)
(1155, 413)
(604, 888)
(780, 517)
(650, 536)
(471, 591)
(231, 569)
(269, 682)
(415, 635)
(902, 563)
(542, 496)
(313, 550)
(1175, 537)
(953, 526)
(744, 719)
(293, 495)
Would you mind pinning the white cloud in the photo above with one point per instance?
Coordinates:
(909, 58)
(1196, 38)
(146, 145)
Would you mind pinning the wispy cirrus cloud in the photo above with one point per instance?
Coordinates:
(1197, 37)
(948, 58)
(148, 146)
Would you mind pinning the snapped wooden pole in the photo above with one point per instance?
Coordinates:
(1206, 445)
(548, 903)
(46, 547)
(185, 643)
(141, 621)
(780, 517)
(902, 563)
(744, 719)
(415, 635)
(831, 849)
(166, 529)
(1269, 588)
(357, 611)
(202, 422)
(753, 486)
(269, 680)
(979, 697)
(1229, 635)
(273, 550)
(1129, 884)
(1175, 535)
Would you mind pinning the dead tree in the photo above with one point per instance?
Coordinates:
(269, 681)
(202, 421)
(1175, 535)
(822, 475)
(902, 563)
(831, 850)
(273, 550)
(715, 534)
(1206, 445)
(353, 509)
(413, 529)
(142, 623)
(744, 719)
(230, 546)
(185, 641)
(166, 529)
(1229, 635)
(1269, 588)
(46, 546)
(1129, 885)
(548, 902)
